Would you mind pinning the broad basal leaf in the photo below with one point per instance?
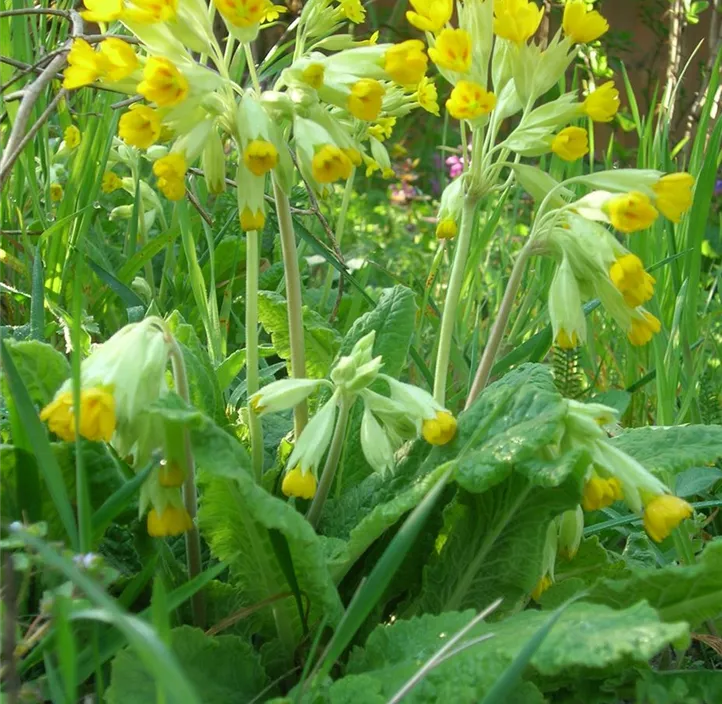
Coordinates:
(679, 687)
(42, 368)
(222, 669)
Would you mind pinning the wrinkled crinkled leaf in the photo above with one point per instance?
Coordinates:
(696, 480)
(222, 669)
(689, 593)
(672, 449)
(679, 687)
(42, 368)
(321, 340)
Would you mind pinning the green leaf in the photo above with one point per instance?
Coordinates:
(672, 449)
(679, 687)
(696, 480)
(691, 593)
(221, 669)
(321, 340)
(586, 642)
(42, 368)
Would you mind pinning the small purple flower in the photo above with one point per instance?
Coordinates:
(718, 187)
(456, 166)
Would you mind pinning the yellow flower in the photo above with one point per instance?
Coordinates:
(427, 96)
(353, 10)
(571, 143)
(602, 104)
(406, 62)
(566, 340)
(84, 65)
(140, 126)
(643, 328)
(600, 493)
(439, 430)
(366, 98)
(71, 136)
(582, 25)
(242, 13)
(260, 157)
(430, 15)
(56, 192)
(631, 212)
(354, 155)
(674, 195)
(102, 10)
(252, 221)
(470, 100)
(173, 521)
(633, 282)
(121, 58)
(170, 171)
(516, 20)
(330, 164)
(273, 12)
(313, 75)
(446, 229)
(296, 483)
(97, 415)
(111, 182)
(452, 50)
(152, 11)
(171, 474)
(663, 514)
(541, 586)
(382, 130)
(163, 84)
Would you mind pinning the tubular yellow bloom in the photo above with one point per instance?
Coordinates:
(242, 13)
(582, 25)
(600, 493)
(571, 143)
(541, 586)
(383, 129)
(121, 58)
(470, 100)
(406, 62)
(427, 96)
(313, 75)
(566, 340)
(97, 415)
(171, 475)
(446, 229)
(173, 521)
(152, 11)
(163, 84)
(602, 104)
(252, 221)
(439, 430)
(111, 182)
(56, 192)
(273, 12)
(430, 15)
(663, 514)
(353, 10)
(354, 155)
(71, 136)
(260, 157)
(632, 281)
(170, 170)
(643, 328)
(102, 10)
(330, 164)
(631, 212)
(58, 414)
(674, 195)
(296, 483)
(516, 20)
(84, 65)
(365, 100)
(452, 50)
(140, 126)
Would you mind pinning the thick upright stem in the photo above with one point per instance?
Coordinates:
(190, 496)
(497, 330)
(254, 422)
(448, 317)
(329, 470)
(293, 299)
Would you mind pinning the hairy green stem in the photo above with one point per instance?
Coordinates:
(190, 496)
(294, 300)
(448, 317)
(329, 470)
(497, 330)
(254, 422)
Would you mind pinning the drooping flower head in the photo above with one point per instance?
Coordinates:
(516, 20)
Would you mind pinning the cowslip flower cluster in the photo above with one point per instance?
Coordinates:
(335, 104)
(387, 421)
(119, 380)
